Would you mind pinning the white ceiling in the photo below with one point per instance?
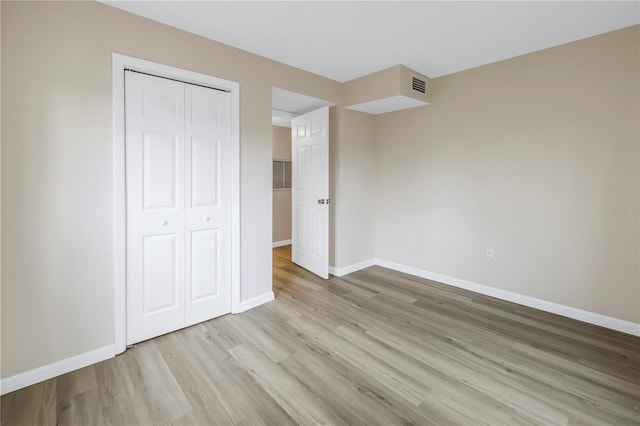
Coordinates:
(286, 101)
(346, 40)
(287, 105)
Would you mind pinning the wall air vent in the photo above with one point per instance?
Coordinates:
(418, 85)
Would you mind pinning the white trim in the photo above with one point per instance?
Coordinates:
(256, 301)
(119, 63)
(339, 272)
(55, 369)
(119, 205)
(532, 302)
(281, 243)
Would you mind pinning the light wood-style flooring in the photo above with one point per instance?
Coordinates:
(375, 347)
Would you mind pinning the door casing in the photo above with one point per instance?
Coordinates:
(119, 64)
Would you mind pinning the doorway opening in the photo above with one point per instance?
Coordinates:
(288, 107)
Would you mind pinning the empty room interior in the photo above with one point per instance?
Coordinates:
(320, 213)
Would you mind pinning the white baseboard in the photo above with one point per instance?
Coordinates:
(281, 243)
(555, 308)
(49, 371)
(256, 301)
(338, 272)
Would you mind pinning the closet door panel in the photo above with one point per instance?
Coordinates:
(208, 212)
(155, 205)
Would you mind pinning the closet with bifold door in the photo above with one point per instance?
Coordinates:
(178, 198)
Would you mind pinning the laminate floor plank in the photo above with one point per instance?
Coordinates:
(552, 342)
(413, 288)
(233, 387)
(379, 287)
(486, 377)
(158, 385)
(289, 393)
(32, 405)
(197, 386)
(376, 347)
(386, 374)
(357, 397)
(612, 340)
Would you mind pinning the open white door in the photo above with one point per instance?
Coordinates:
(310, 191)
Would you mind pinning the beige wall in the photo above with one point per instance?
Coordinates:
(57, 192)
(281, 143)
(353, 195)
(378, 85)
(281, 198)
(525, 155)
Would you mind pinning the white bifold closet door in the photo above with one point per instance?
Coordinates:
(178, 184)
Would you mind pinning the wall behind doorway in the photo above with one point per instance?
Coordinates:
(281, 197)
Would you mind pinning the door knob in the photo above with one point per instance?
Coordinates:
(207, 218)
(164, 223)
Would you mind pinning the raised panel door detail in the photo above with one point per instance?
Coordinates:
(315, 232)
(205, 261)
(158, 106)
(160, 270)
(314, 164)
(316, 127)
(302, 235)
(205, 171)
(205, 111)
(301, 130)
(302, 169)
(159, 157)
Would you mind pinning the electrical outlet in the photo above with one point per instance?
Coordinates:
(410, 238)
(488, 252)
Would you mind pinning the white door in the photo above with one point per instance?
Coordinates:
(178, 204)
(208, 203)
(310, 191)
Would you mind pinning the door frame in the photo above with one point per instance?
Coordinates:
(119, 64)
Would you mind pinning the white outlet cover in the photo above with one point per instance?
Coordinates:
(488, 252)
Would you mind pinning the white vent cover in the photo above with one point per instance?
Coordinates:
(418, 85)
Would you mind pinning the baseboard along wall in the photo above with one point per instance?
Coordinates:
(245, 305)
(55, 369)
(623, 326)
(281, 243)
(338, 272)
